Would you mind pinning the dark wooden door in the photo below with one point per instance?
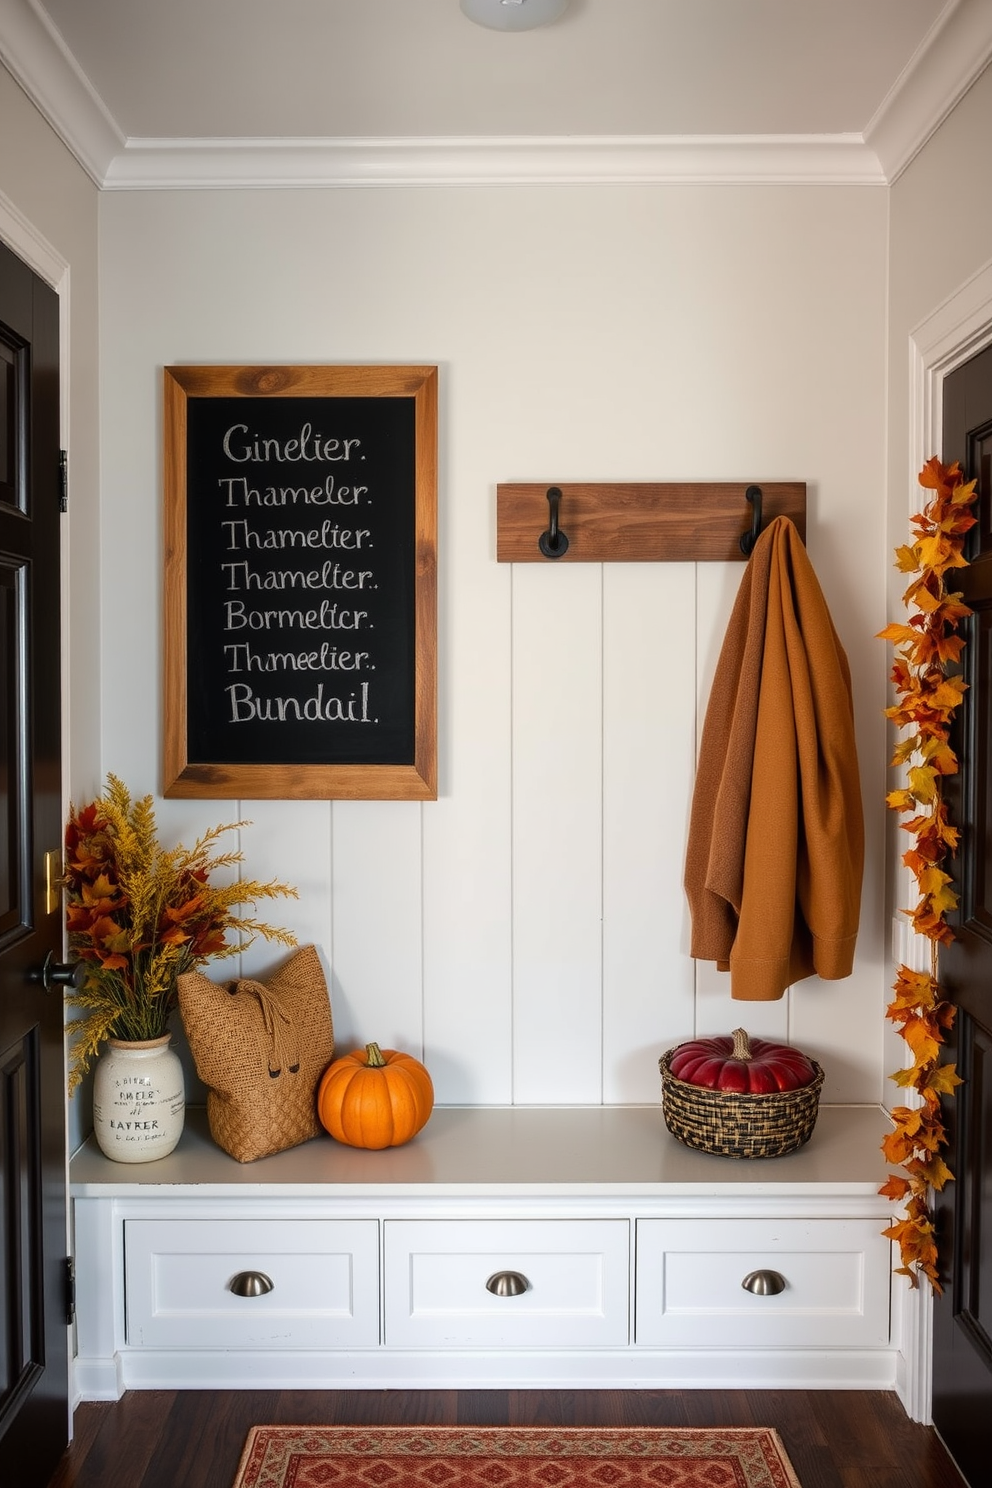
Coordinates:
(962, 1403)
(33, 1333)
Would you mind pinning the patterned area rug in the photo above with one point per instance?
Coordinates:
(511, 1457)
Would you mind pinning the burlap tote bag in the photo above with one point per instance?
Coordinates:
(260, 1048)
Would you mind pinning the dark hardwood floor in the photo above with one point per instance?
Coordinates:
(193, 1439)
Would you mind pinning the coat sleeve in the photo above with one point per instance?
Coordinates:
(714, 863)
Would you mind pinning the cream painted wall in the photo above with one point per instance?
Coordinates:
(940, 238)
(526, 932)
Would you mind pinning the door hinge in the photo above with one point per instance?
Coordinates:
(63, 480)
(70, 1291)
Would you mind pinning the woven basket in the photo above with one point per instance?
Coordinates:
(732, 1125)
(260, 1048)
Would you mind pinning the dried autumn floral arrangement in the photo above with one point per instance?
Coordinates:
(927, 700)
(138, 915)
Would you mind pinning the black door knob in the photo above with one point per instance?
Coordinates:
(59, 974)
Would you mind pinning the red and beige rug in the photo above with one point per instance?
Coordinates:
(512, 1457)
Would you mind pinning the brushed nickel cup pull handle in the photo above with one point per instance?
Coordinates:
(250, 1284)
(764, 1283)
(507, 1284)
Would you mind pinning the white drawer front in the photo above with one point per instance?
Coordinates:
(690, 1274)
(324, 1274)
(436, 1272)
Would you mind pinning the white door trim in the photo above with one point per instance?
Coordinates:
(958, 329)
(24, 239)
(955, 331)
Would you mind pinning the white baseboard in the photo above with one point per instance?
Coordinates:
(97, 1379)
(688, 1369)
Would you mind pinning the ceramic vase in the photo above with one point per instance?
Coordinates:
(139, 1100)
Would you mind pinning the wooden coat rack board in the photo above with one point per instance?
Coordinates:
(695, 522)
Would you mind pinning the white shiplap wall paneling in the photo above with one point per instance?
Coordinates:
(377, 973)
(641, 332)
(271, 845)
(648, 737)
(836, 1023)
(716, 590)
(718, 1014)
(468, 1019)
(557, 833)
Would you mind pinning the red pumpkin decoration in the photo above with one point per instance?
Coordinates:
(374, 1098)
(745, 1066)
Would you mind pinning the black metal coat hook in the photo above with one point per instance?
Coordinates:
(553, 543)
(748, 539)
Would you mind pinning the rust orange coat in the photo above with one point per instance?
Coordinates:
(776, 838)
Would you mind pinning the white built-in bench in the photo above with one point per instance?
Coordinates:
(501, 1247)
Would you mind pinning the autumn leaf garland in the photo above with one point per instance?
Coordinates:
(927, 700)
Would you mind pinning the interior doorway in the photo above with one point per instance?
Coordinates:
(962, 1359)
(34, 1421)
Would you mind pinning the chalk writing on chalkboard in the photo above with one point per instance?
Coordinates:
(304, 527)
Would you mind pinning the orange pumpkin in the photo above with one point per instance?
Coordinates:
(375, 1098)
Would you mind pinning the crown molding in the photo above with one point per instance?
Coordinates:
(38, 59)
(516, 161)
(948, 61)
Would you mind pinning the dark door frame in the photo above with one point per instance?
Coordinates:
(950, 336)
(18, 235)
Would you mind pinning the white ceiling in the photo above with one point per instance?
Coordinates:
(419, 67)
(164, 81)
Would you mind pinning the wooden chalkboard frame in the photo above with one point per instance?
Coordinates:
(208, 779)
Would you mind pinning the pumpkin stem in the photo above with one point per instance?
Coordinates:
(373, 1057)
(742, 1045)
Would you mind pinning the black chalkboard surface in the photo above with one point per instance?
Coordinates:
(300, 573)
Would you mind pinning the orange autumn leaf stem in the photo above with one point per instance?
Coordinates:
(927, 699)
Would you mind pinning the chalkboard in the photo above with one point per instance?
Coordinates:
(300, 604)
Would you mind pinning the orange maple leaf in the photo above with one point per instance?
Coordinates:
(923, 783)
(907, 559)
(922, 1039)
(937, 1172)
(948, 647)
(936, 476)
(914, 988)
(949, 693)
(943, 1078)
(906, 748)
(898, 633)
(939, 754)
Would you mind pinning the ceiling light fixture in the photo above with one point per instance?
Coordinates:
(513, 15)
